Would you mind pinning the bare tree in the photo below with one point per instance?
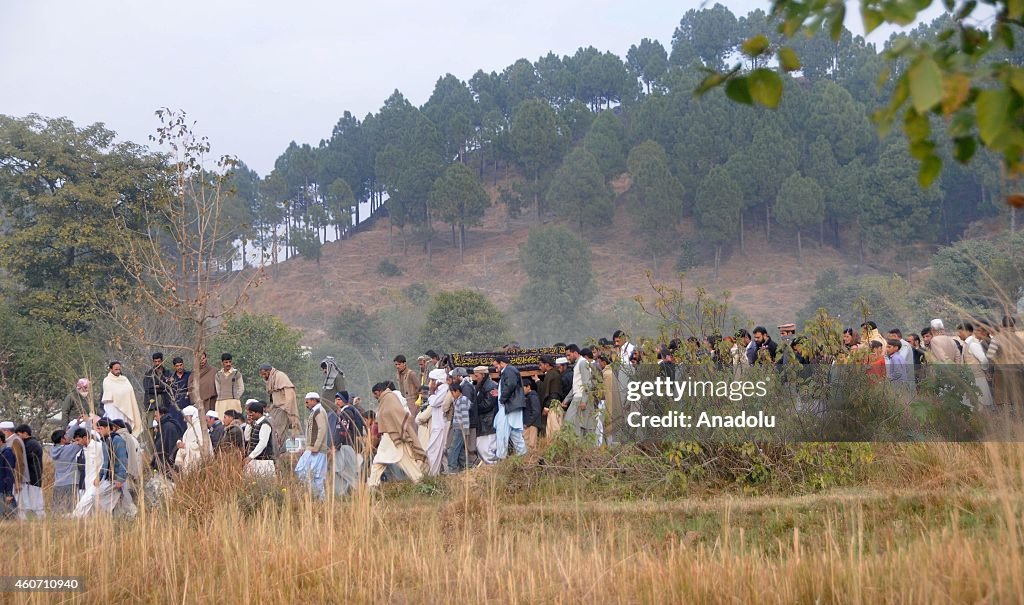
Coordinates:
(179, 259)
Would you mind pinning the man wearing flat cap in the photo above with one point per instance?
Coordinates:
(788, 352)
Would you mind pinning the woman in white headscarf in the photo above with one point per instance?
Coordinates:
(119, 400)
(190, 447)
(438, 423)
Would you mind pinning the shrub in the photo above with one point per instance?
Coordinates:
(689, 256)
(416, 293)
(386, 268)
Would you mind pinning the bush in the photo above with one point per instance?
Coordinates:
(386, 268)
(256, 339)
(689, 256)
(416, 293)
(356, 327)
(463, 320)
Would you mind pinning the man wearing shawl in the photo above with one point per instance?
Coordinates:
(398, 443)
(202, 385)
(408, 383)
(119, 400)
(283, 409)
(438, 423)
(21, 471)
(334, 383)
(230, 386)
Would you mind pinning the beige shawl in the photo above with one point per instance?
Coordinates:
(119, 393)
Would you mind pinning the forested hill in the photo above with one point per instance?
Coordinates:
(618, 149)
(568, 125)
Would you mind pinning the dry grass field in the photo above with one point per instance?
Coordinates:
(925, 523)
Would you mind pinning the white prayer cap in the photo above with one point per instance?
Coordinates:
(436, 374)
(937, 324)
(212, 414)
(7, 425)
(189, 410)
(248, 401)
(312, 395)
(561, 361)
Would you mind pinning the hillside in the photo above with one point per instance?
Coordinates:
(767, 281)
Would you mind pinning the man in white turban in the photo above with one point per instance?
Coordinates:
(438, 423)
(190, 447)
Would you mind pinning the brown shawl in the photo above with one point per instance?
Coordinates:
(395, 420)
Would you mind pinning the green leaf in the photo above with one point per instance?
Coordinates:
(920, 150)
(791, 26)
(900, 46)
(709, 82)
(872, 19)
(964, 148)
(753, 47)
(738, 90)
(900, 93)
(1014, 9)
(916, 126)
(925, 84)
(966, 10)
(995, 116)
(900, 12)
(931, 166)
(765, 87)
(962, 124)
(1004, 33)
(1016, 79)
(788, 59)
(837, 19)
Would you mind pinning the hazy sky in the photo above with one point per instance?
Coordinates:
(259, 74)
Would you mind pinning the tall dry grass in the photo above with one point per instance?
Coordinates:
(956, 539)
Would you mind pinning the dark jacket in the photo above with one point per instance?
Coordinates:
(766, 352)
(532, 414)
(486, 408)
(165, 440)
(550, 387)
(156, 388)
(234, 439)
(179, 390)
(216, 434)
(349, 427)
(76, 406)
(566, 379)
(34, 457)
(6, 472)
(511, 395)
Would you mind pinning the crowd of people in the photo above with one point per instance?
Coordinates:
(430, 419)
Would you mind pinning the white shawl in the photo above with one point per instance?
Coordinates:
(119, 393)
